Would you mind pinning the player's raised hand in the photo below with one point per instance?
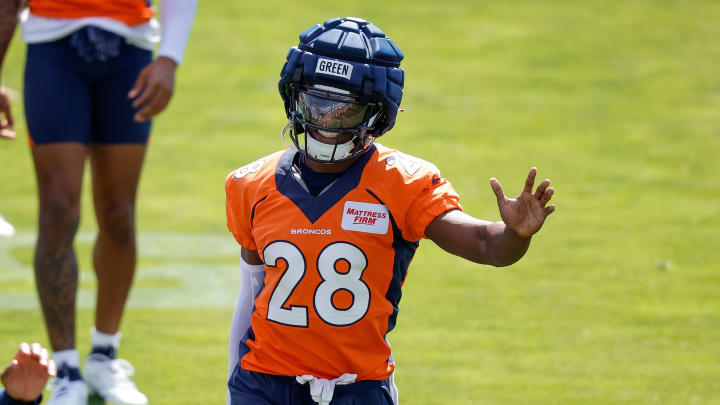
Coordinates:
(28, 372)
(525, 214)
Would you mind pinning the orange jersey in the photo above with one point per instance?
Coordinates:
(334, 263)
(130, 12)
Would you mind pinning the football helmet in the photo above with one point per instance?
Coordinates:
(342, 84)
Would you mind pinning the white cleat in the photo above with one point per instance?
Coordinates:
(6, 228)
(67, 391)
(110, 378)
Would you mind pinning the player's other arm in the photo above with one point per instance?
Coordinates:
(250, 256)
(251, 279)
(8, 21)
(495, 243)
(156, 82)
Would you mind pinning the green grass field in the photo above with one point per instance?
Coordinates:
(617, 101)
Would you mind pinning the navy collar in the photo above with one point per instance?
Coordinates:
(315, 206)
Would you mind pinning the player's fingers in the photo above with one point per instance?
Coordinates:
(52, 368)
(36, 351)
(165, 100)
(549, 210)
(139, 84)
(144, 114)
(154, 106)
(147, 94)
(7, 133)
(547, 195)
(147, 111)
(8, 121)
(541, 188)
(20, 359)
(24, 349)
(497, 189)
(530, 180)
(36, 348)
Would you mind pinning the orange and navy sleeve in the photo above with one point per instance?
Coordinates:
(434, 196)
(237, 211)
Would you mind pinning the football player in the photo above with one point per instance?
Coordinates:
(91, 89)
(333, 222)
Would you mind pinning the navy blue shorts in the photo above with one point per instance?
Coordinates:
(70, 98)
(252, 388)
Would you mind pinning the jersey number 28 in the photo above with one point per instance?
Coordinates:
(333, 281)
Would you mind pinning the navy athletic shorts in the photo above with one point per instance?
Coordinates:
(252, 388)
(76, 89)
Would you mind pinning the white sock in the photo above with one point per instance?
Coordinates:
(104, 339)
(69, 357)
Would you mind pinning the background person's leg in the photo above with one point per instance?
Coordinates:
(57, 111)
(117, 154)
(115, 175)
(59, 170)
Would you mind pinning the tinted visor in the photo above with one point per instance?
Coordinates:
(330, 110)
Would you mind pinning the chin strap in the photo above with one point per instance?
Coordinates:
(321, 390)
(284, 129)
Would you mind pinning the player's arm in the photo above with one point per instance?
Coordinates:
(250, 256)
(252, 276)
(156, 82)
(495, 243)
(8, 21)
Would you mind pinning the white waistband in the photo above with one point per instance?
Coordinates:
(321, 390)
(36, 29)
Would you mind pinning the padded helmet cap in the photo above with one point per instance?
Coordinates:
(350, 54)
